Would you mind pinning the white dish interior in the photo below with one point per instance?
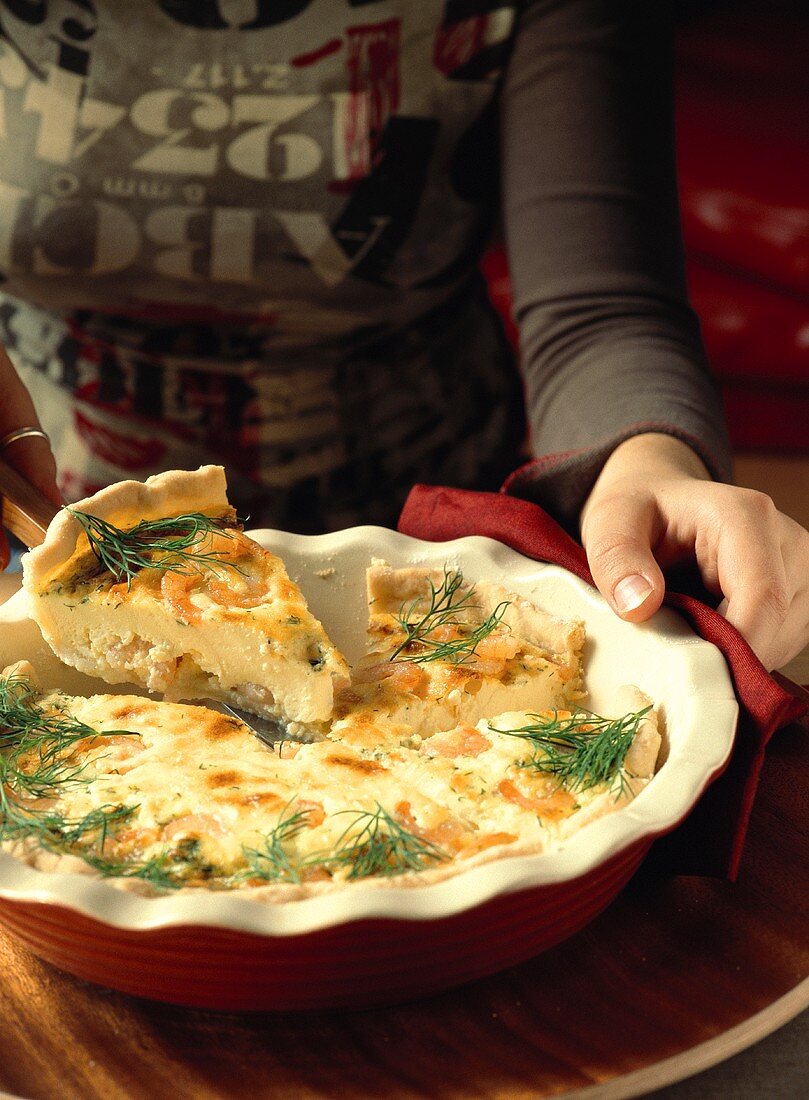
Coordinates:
(685, 676)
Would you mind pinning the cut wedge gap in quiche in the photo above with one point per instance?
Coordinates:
(155, 584)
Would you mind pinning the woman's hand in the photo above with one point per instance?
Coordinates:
(33, 456)
(655, 505)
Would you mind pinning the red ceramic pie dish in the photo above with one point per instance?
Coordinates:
(376, 943)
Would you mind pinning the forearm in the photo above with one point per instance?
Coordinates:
(610, 347)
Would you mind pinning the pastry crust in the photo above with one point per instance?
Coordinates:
(124, 504)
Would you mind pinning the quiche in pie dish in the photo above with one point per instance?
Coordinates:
(458, 737)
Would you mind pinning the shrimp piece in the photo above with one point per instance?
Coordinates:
(480, 668)
(117, 592)
(406, 676)
(552, 807)
(135, 837)
(489, 840)
(221, 593)
(43, 802)
(123, 754)
(194, 825)
(315, 874)
(403, 813)
(449, 834)
(315, 814)
(240, 589)
(399, 675)
(447, 632)
(176, 589)
(462, 741)
(370, 673)
(498, 646)
(228, 546)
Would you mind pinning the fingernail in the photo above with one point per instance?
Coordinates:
(631, 592)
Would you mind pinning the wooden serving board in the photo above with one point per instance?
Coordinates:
(675, 975)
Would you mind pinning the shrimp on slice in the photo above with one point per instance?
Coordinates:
(117, 592)
(447, 632)
(241, 588)
(489, 840)
(254, 594)
(176, 589)
(498, 646)
(314, 811)
(124, 750)
(406, 676)
(399, 675)
(450, 834)
(134, 838)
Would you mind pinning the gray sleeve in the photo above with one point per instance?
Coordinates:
(609, 344)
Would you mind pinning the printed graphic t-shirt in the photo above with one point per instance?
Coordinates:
(248, 231)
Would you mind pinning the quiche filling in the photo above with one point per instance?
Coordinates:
(458, 737)
(163, 795)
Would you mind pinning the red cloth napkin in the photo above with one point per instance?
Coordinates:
(710, 841)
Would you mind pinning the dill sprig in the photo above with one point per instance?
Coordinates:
(374, 843)
(168, 869)
(445, 603)
(159, 871)
(271, 862)
(172, 544)
(80, 836)
(37, 761)
(381, 846)
(582, 749)
(36, 744)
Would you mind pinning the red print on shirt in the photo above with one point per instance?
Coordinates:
(305, 60)
(457, 44)
(118, 450)
(373, 71)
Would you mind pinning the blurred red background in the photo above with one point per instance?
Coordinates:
(743, 152)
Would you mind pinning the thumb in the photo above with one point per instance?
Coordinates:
(618, 534)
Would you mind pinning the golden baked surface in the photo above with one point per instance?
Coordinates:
(165, 795)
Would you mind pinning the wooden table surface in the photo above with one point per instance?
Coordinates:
(674, 976)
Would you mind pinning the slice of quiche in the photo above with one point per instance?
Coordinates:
(155, 584)
(443, 651)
